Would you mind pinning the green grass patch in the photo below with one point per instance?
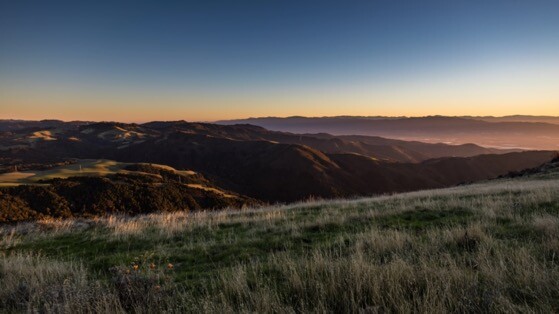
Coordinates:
(424, 218)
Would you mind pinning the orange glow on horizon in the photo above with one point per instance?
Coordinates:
(130, 109)
(466, 95)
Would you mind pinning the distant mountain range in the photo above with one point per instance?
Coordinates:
(501, 132)
(269, 166)
(517, 118)
(17, 125)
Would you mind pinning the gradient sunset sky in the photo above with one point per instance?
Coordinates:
(208, 60)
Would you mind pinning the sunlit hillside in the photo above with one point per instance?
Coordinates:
(487, 247)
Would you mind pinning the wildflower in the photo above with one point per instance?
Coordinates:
(152, 266)
(136, 267)
(157, 288)
(170, 266)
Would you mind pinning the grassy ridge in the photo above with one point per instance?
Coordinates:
(90, 188)
(81, 168)
(491, 247)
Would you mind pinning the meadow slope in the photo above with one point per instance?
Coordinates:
(487, 247)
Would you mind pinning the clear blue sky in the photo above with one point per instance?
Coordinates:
(133, 60)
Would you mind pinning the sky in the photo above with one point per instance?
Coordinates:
(141, 60)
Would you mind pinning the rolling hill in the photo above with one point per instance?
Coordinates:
(265, 165)
(93, 188)
(97, 135)
(289, 172)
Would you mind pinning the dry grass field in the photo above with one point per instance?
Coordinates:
(491, 247)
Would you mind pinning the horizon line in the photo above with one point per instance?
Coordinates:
(288, 117)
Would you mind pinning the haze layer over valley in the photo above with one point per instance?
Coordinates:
(511, 132)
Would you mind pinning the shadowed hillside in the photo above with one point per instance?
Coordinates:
(286, 172)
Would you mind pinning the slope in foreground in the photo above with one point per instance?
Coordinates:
(488, 247)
